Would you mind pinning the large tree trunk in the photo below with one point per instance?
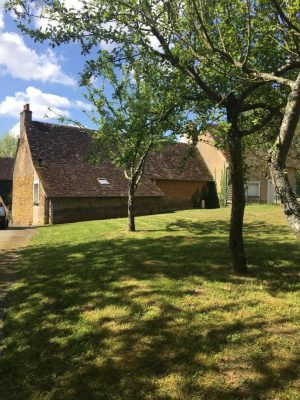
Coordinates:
(278, 156)
(236, 241)
(131, 219)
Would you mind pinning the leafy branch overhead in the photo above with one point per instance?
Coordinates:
(8, 146)
(225, 48)
(135, 116)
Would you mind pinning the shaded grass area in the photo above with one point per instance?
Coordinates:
(100, 313)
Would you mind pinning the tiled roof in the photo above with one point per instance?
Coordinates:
(179, 162)
(59, 156)
(6, 169)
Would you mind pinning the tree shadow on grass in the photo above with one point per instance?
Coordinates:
(219, 227)
(269, 258)
(136, 318)
(8, 275)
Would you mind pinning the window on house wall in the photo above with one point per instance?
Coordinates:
(103, 181)
(253, 189)
(36, 192)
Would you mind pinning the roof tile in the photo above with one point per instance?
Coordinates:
(6, 169)
(59, 155)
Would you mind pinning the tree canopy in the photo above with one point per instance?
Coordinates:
(8, 146)
(137, 116)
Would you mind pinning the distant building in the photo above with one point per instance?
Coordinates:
(53, 182)
(258, 184)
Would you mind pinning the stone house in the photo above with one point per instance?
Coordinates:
(6, 179)
(54, 183)
(259, 187)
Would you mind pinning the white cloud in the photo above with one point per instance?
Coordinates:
(182, 139)
(19, 61)
(39, 102)
(43, 21)
(15, 130)
(42, 104)
(76, 4)
(107, 45)
(82, 105)
(2, 2)
(154, 43)
(44, 13)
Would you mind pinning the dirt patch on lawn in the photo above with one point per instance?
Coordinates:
(11, 241)
(15, 238)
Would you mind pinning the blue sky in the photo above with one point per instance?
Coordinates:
(45, 78)
(36, 74)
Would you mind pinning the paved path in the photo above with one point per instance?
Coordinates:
(11, 241)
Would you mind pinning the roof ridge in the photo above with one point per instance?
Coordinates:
(51, 124)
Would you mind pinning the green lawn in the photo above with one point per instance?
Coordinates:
(100, 313)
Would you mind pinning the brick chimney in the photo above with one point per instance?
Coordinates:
(25, 118)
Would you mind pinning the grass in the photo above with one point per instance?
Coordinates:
(100, 313)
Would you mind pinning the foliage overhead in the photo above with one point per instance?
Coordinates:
(137, 116)
(8, 146)
(225, 48)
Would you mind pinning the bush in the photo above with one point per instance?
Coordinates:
(223, 193)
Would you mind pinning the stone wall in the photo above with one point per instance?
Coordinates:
(213, 158)
(22, 185)
(179, 190)
(41, 209)
(84, 209)
(22, 201)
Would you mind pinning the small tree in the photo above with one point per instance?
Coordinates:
(8, 146)
(223, 191)
(134, 119)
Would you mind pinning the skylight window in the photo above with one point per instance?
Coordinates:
(103, 181)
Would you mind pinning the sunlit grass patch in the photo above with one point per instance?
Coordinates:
(100, 313)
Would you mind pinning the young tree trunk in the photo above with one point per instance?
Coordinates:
(236, 241)
(131, 218)
(134, 178)
(278, 156)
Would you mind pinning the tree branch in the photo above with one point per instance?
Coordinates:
(261, 125)
(284, 17)
(249, 35)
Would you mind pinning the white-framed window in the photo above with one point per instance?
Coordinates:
(103, 181)
(36, 191)
(253, 189)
